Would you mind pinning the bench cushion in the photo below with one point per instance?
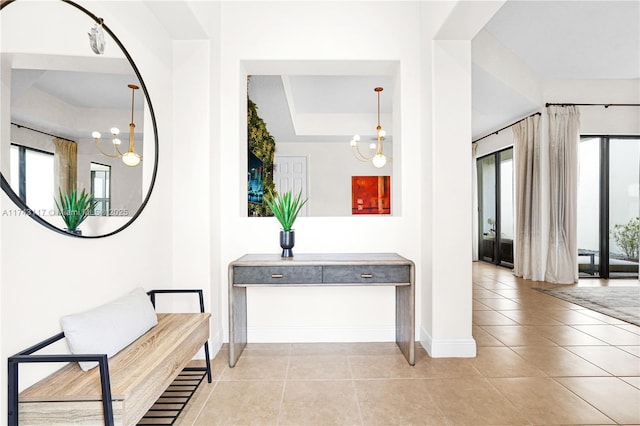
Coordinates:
(110, 327)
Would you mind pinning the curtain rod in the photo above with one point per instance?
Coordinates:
(506, 127)
(604, 105)
(40, 131)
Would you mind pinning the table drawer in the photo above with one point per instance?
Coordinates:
(366, 274)
(277, 274)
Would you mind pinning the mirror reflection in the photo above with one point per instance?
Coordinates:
(311, 121)
(79, 122)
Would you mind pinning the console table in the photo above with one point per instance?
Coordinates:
(343, 269)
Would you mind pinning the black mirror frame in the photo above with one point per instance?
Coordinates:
(6, 187)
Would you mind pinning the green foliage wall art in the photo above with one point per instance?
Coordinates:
(261, 145)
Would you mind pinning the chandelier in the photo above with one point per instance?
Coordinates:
(376, 156)
(131, 157)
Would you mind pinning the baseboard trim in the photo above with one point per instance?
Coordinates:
(215, 344)
(447, 348)
(320, 334)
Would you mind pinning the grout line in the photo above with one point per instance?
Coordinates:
(585, 401)
(204, 404)
(355, 391)
(284, 383)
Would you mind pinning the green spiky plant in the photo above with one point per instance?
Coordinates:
(285, 207)
(74, 208)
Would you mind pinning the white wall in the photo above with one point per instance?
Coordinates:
(195, 223)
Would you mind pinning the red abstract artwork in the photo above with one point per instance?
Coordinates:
(370, 195)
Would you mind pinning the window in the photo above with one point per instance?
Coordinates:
(100, 188)
(495, 202)
(31, 177)
(608, 206)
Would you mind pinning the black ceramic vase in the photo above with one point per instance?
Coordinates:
(287, 240)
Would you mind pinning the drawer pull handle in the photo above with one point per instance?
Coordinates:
(366, 275)
(276, 275)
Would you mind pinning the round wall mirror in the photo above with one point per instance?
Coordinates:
(78, 134)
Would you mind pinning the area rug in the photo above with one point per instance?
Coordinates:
(622, 303)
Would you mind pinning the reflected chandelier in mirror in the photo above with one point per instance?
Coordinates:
(64, 86)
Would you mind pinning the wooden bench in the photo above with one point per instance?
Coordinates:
(123, 388)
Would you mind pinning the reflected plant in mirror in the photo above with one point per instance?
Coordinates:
(63, 97)
(74, 208)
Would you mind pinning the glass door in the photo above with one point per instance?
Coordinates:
(495, 204)
(506, 207)
(624, 209)
(608, 207)
(589, 208)
(487, 208)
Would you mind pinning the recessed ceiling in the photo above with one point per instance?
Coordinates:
(340, 94)
(321, 108)
(78, 89)
(83, 93)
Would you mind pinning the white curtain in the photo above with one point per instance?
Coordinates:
(474, 201)
(564, 137)
(65, 166)
(527, 262)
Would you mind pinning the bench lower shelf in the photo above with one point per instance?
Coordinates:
(173, 401)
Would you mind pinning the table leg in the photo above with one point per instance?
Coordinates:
(237, 323)
(405, 321)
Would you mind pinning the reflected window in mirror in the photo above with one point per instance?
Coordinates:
(31, 171)
(100, 189)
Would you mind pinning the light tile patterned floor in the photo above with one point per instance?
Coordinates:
(540, 361)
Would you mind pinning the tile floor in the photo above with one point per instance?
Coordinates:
(540, 361)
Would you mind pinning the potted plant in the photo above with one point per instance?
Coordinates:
(285, 208)
(74, 208)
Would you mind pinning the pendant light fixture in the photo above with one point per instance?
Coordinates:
(376, 155)
(131, 157)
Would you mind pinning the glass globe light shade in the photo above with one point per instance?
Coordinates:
(96, 135)
(131, 159)
(382, 133)
(116, 141)
(356, 138)
(373, 146)
(379, 160)
(115, 131)
(354, 142)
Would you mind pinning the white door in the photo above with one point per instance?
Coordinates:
(290, 174)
